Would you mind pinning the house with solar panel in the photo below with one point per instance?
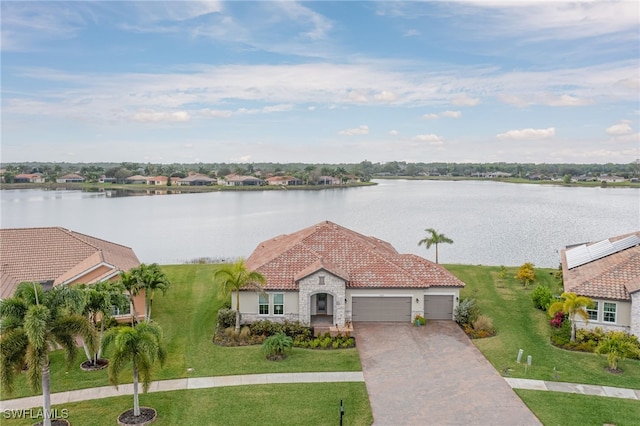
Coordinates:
(608, 272)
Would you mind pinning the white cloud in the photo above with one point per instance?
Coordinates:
(528, 134)
(430, 116)
(393, 132)
(447, 114)
(465, 100)
(385, 96)
(359, 96)
(433, 138)
(360, 130)
(411, 33)
(216, 113)
(278, 108)
(155, 116)
(621, 128)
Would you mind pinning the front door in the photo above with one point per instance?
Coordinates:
(321, 303)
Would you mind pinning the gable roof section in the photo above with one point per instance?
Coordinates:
(365, 262)
(57, 255)
(613, 276)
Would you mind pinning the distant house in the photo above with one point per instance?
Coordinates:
(29, 178)
(238, 180)
(283, 180)
(608, 272)
(104, 179)
(136, 179)
(70, 178)
(327, 180)
(326, 273)
(57, 256)
(498, 175)
(614, 178)
(197, 180)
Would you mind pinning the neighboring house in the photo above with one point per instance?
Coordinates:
(157, 180)
(104, 179)
(498, 175)
(197, 180)
(137, 179)
(237, 180)
(327, 180)
(29, 178)
(70, 178)
(605, 178)
(56, 256)
(283, 180)
(330, 274)
(609, 273)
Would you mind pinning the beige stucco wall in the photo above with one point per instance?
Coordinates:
(623, 317)
(249, 306)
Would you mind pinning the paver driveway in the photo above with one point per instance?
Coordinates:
(433, 375)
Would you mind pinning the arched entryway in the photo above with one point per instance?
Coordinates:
(322, 309)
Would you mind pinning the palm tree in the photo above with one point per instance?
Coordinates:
(236, 276)
(132, 285)
(100, 298)
(32, 323)
(150, 278)
(434, 239)
(140, 345)
(572, 305)
(617, 346)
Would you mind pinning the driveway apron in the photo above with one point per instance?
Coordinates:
(433, 375)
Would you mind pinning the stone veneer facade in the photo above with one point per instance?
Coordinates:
(311, 285)
(635, 313)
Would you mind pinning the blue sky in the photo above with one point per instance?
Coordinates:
(453, 81)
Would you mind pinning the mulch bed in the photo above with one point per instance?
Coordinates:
(147, 415)
(90, 366)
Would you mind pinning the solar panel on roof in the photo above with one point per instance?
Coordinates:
(582, 254)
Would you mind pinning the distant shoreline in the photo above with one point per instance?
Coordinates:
(597, 184)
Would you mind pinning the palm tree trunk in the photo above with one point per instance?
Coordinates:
(436, 252)
(86, 350)
(46, 394)
(149, 308)
(573, 330)
(237, 311)
(136, 401)
(99, 352)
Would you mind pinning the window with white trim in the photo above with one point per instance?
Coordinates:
(593, 312)
(609, 312)
(263, 304)
(117, 311)
(278, 304)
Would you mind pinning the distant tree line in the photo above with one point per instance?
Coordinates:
(309, 173)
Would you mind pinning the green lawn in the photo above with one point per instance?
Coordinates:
(187, 315)
(568, 409)
(520, 326)
(282, 404)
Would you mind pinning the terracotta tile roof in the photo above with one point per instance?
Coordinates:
(366, 262)
(56, 255)
(612, 277)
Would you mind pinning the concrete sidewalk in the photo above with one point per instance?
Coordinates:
(181, 384)
(597, 390)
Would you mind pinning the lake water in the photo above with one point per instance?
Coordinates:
(491, 223)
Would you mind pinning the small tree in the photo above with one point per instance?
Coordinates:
(617, 347)
(572, 305)
(526, 274)
(140, 346)
(150, 278)
(434, 239)
(236, 276)
(277, 346)
(502, 275)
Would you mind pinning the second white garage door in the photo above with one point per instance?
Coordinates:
(391, 309)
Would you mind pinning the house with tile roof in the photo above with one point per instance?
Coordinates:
(56, 256)
(70, 178)
(329, 274)
(29, 178)
(608, 272)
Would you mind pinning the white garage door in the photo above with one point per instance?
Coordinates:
(392, 309)
(438, 307)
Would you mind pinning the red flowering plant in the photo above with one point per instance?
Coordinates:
(557, 319)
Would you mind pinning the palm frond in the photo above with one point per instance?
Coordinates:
(13, 347)
(36, 325)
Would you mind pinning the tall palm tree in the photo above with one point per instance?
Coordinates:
(100, 298)
(434, 239)
(572, 305)
(140, 345)
(32, 322)
(236, 276)
(150, 278)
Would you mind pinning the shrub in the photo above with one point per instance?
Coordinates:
(558, 319)
(466, 312)
(230, 332)
(277, 346)
(483, 323)
(541, 297)
(617, 346)
(245, 333)
(561, 334)
(226, 318)
(419, 320)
